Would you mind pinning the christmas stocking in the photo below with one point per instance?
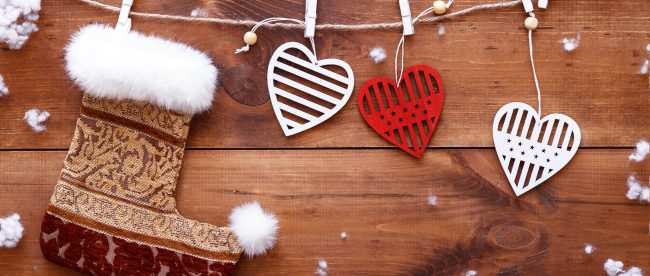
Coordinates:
(113, 210)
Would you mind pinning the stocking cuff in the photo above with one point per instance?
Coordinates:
(138, 67)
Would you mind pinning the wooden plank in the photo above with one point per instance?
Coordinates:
(483, 59)
(379, 197)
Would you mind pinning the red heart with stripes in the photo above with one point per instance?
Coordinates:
(407, 117)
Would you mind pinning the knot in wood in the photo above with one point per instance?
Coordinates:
(513, 237)
(246, 85)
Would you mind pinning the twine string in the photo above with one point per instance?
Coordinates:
(297, 24)
(400, 45)
(398, 77)
(274, 20)
(339, 27)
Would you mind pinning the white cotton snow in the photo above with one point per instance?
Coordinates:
(11, 231)
(322, 268)
(644, 67)
(633, 271)
(4, 90)
(18, 21)
(471, 273)
(589, 249)
(615, 268)
(36, 118)
(441, 29)
(199, 12)
(344, 235)
(646, 62)
(432, 200)
(571, 44)
(377, 54)
(634, 188)
(641, 152)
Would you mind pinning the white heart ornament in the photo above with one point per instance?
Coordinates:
(306, 79)
(532, 150)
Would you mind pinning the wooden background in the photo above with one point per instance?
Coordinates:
(341, 176)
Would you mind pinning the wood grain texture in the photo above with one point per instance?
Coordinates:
(483, 60)
(316, 194)
(341, 176)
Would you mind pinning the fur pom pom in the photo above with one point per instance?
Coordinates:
(256, 230)
(142, 68)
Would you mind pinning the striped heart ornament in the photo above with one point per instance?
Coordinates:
(532, 150)
(405, 115)
(305, 91)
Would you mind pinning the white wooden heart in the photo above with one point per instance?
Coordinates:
(532, 150)
(306, 80)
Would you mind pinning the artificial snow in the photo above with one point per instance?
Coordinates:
(646, 62)
(641, 151)
(11, 231)
(636, 190)
(377, 54)
(322, 268)
(199, 12)
(471, 273)
(4, 90)
(344, 235)
(633, 271)
(571, 44)
(35, 119)
(589, 249)
(644, 67)
(615, 268)
(432, 200)
(441, 29)
(18, 21)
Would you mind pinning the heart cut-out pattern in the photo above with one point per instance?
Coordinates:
(532, 150)
(405, 117)
(306, 92)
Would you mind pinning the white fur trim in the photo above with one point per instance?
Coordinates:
(140, 67)
(256, 230)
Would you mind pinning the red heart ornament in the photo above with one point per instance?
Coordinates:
(405, 118)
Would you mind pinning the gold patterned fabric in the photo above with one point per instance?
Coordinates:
(124, 161)
(163, 226)
(119, 178)
(147, 114)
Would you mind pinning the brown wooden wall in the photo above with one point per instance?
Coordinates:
(341, 176)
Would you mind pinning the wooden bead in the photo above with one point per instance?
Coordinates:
(250, 38)
(439, 7)
(531, 23)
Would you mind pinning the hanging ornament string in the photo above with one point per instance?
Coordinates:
(400, 45)
(532, 63)
(339, 27)
(250, 38)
